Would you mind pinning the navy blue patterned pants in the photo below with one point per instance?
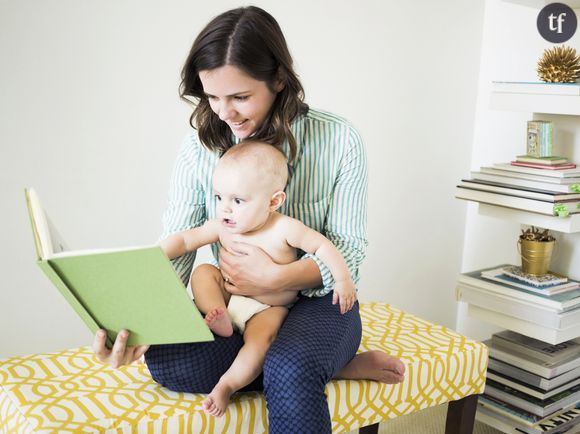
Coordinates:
(314, 343)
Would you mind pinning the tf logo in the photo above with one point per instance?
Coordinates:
(557, 22)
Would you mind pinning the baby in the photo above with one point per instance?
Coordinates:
(249, 182)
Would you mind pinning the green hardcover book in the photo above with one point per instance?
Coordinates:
(135, 289)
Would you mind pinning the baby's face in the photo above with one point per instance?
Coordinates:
(242, 199)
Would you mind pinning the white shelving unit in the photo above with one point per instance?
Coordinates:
(567, 225)
(512, 48)
(544, 103)
(565, 107)
(537, 103)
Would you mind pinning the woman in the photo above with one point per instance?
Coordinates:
(239, 73)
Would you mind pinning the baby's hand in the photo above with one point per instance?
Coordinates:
(345, 293)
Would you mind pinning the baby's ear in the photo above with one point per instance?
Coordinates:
(277, 200)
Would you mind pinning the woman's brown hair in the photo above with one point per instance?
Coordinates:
(250, 39)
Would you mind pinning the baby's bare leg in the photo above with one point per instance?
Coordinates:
(211, 298)
(261, 330)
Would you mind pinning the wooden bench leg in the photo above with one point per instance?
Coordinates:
(371, 429)
(461, 415)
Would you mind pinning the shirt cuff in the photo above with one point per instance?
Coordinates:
(327, 279)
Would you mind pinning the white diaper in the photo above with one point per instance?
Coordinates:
(241, 309)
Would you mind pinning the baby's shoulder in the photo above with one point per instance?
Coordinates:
(286, 225)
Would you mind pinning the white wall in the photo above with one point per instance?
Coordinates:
(89, 116)
(510, 50)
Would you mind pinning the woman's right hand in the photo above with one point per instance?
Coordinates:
(120, 354)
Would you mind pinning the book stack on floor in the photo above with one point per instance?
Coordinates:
(545, 185)
(532, 386)
(546, 307)
(533, 381)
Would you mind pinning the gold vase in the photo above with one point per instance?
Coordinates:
(536, 256)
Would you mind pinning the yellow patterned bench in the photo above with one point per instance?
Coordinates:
(71, 392)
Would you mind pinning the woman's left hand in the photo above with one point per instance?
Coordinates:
(248, 270)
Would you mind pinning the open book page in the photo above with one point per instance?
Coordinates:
(58, 244)
(40, 228)
(49, 243)
(86, 252)
(47, 240)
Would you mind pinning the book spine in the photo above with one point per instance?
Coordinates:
(544, 166)
(539, 138)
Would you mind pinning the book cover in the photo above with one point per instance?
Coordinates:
(498, 275)
(519, 191)
(544, 161)
(531, 364)
(536, 87)
(530, 176)
(564, 173)
(135, 289)
(527, 389)
(560, 166)
(562, 209)
(540, 138)
(531, 279)
(561, 422)
(506, 418)
(540, 407)
(532, 379)
(536, 348)
(561, 302)
(514, 413)
(510, 181)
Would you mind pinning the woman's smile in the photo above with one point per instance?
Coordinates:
(238, 99)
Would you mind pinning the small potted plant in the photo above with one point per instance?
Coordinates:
(536, 246)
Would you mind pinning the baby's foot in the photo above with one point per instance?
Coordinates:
(217, 401)
(219, 322)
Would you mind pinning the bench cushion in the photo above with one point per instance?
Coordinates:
(70, 391)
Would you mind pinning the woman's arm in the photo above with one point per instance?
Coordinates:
(346, 216)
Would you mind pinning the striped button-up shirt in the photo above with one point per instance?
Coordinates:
(327, 190)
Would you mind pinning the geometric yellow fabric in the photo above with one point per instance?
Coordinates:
(71, 392)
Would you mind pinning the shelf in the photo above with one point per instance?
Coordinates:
(552, 336)
(574, 4)
(540, 103)
(568, 225)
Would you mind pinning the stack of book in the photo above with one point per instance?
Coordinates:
(532, 386)
(545, 185)
(548, 310)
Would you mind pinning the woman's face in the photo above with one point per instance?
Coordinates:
(238, 99)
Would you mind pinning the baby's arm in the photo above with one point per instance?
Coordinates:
(300, 236)
(184, 242)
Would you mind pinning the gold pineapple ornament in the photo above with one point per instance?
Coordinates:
(559, 65)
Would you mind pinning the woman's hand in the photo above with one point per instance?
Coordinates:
(120, 354)
(248, 270)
